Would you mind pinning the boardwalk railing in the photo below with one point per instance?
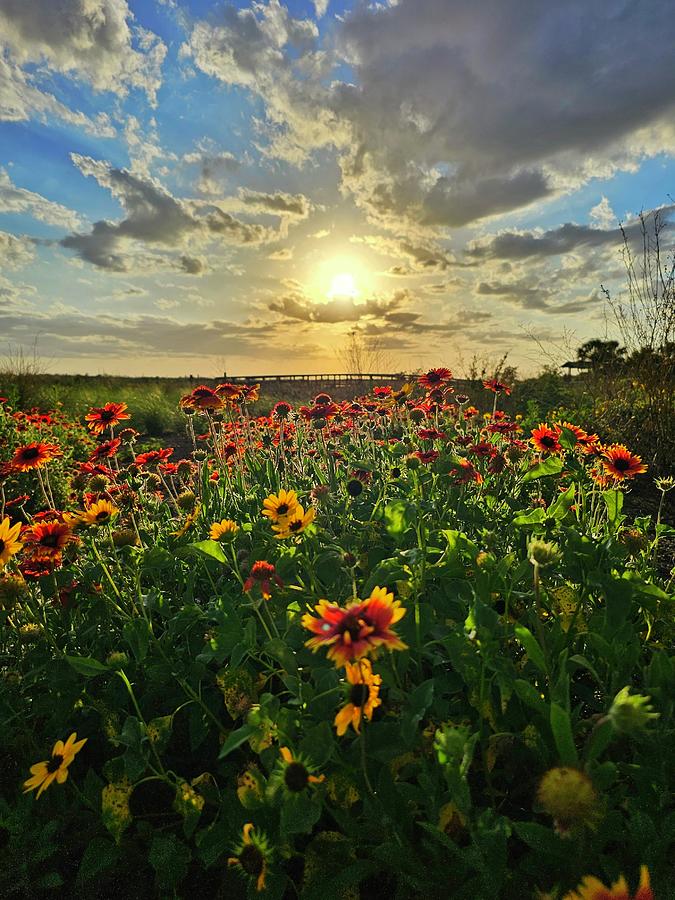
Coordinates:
(331, 377)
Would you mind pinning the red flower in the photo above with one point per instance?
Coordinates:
(105, 450)
(545, 439)
(202, 398)
(466, 472)
(101, 417)
(359, 629)
(281, 410)
(263, 574)
(153, 457)
(47, 539)
(431, 434)
(497, 387)
(34, 456)
(435, 378)
(427, 456)
(228, 391)
(319, 411)
(620, 463)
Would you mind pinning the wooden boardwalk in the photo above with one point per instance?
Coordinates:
(330, 377)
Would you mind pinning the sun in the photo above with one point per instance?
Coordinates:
(343, 285)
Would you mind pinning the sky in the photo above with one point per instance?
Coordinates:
(198, 187)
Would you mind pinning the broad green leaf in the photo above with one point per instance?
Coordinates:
(561, 726)
(551, 466)
(87, 666)
(531, 647)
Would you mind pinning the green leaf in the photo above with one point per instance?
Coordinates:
(551, 466)
(529, 695)
(169, 857)
(299, 814)
(87, 666)
(599, 741)
(398, 517)
(279, 650)
(561, 507)
(209, 548)
(99, 856)
(614, 503)
(236, 739)
(561, 726)
(531, 647)
(532, 517)
(137, 636)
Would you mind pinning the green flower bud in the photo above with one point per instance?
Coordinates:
(630, 712)
(542, 553)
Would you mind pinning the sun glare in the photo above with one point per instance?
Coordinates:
(343, 285)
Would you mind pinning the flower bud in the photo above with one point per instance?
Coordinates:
(630, 712)
(542, 553)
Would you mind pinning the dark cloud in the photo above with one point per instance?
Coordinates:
(276, 204)
(296, 305)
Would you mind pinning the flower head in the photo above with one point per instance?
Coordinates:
(620, 463)
(101, 417)
(592, 888)
(294, 774)
(363, 696)
(358, 629)
(497, 387)
(568, 795)
(263, 574)
(295, 523)
(546, 439)
(630, 712)
(252, 855)
(9, 543)
(33, 456)
(99, 513)
(56, 768)
(202, 398)
(223, 531)
(47, 539)
(435, 378)
(278, 507)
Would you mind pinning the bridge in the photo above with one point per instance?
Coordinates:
(330, 377)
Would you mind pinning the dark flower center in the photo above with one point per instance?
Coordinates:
(434, 377)
(352, 627)
(296, 777)
(50, 540)
(282, 509)
(354, 488)
(359, 694)
(621, 464)
(547, 440)
(2, 545)
(251, 860)
(54, 763)
(296, 525)
(102, 516)
(107, 415)
(30, 453)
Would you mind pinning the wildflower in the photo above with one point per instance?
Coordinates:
(362, 699)
(47, 539)
(465, 472)
(101, 417)
(294, 774)
(202, 398)
(545, 439)
(593, 889)
(630, 712)
(13, 589)
(354, 487)
(426, 456)
(56, 768)
(435, 378)
(228, 391)
(33, 456)
(665, 483)
(278, 507)
(497, 387)
(223, 531)
(9, 543)
(281, 410)
(620, 463)
(186, 501)
(295, 523)
(100, 513)
(153, 457)
(358, 629)
(105, 450)
(263, 574)
(568, 796)
(252, 855)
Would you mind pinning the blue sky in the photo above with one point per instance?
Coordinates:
(188, 186)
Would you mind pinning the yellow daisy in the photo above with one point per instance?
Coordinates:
(56, 768)
(295, 523)
(278, 507)
(223, 531)
(9, 545)
(99, 513)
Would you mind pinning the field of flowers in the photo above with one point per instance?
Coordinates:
(383, 648)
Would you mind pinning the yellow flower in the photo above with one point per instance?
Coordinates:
(593, 889)
(223, 531)
(295, 523)
(363, 696)
(9, 545)
(278, 507)
(294, 774)
(99, 513)
(252, 855)
(56, 768)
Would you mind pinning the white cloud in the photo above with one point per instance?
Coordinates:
(14, 199)
(15, 252)
(94, 40)
(602, 215)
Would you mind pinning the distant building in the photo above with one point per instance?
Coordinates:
(580, 364)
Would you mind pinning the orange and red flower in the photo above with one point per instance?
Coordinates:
(262, 575)
(435, 378)
(46, 540)
(497, 387)
(101, 417)
(34, 456)
(546, 439)
(359, 629)
(592, 888)
(105, 450)
(620, 463)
